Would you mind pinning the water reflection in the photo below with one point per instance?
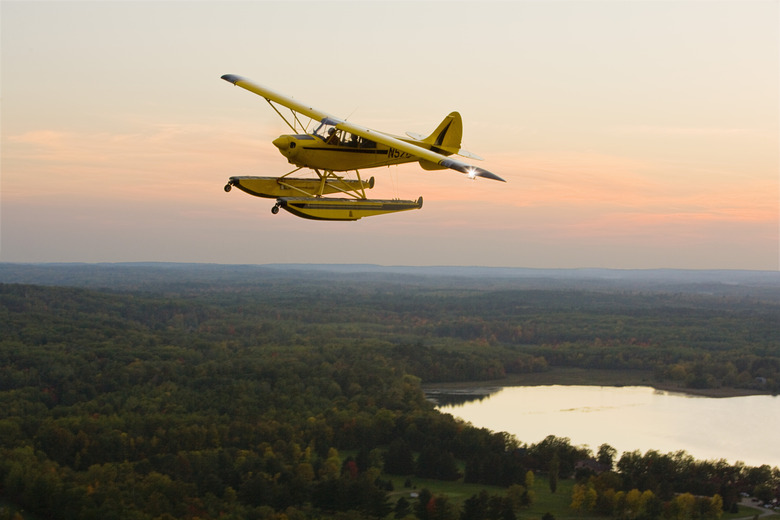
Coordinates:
(445, 397)
(628, 418)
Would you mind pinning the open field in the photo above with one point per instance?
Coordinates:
(545, 502)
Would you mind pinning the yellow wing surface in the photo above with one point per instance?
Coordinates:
(373, 135)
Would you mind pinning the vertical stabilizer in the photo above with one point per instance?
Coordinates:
(447, 136)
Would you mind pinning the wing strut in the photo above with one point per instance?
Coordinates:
(294, 114)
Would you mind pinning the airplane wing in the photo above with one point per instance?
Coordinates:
(276, 97)
(366, 133)
(416, 151)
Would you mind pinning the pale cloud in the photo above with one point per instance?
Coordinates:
(154, 140)
(152, 157)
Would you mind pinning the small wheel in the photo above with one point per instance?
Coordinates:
(228, 187)
(275, 209)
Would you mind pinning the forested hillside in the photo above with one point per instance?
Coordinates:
(296, 394)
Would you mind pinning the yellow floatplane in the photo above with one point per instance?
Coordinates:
(335, 146)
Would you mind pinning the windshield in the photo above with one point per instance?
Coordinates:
(332, 135)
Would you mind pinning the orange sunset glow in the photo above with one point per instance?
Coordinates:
(632, 134)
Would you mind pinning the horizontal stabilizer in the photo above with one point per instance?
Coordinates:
(471, 171)
(469, 155)
(430, 166)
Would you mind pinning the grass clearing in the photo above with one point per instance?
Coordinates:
(458, 492)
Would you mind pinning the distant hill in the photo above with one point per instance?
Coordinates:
(155, 276)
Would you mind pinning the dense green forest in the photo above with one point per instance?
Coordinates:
(200, 392)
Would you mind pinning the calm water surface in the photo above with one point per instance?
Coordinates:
(627, 418)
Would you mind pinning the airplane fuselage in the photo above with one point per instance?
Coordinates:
(338, 152)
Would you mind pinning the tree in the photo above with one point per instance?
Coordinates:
(435, 462)
(763, 492)
(578, 497)
(650, 506)
(715, 509)
(605, 503)
(584, 497)
(529, 479)
(331, 467)
(440, 508)
(632, 504)
(402, 508)
(475, 507)
(519, 496)
(682, 507)
(399, 459)
(554, 468)
(606, 455)
(421, 507)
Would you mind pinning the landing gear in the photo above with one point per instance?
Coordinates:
(228, 187)
(275, 209)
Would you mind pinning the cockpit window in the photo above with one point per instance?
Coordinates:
(331, 135)
(367, 143)
(328, 133)
(334, 136)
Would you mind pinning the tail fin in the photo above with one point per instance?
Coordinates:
(446, 138)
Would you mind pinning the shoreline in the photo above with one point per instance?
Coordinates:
(584, 377)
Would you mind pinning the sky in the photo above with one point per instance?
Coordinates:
(634, 134)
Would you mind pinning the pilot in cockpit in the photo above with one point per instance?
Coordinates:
(333, 137)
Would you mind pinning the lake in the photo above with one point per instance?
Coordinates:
(743, 428)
